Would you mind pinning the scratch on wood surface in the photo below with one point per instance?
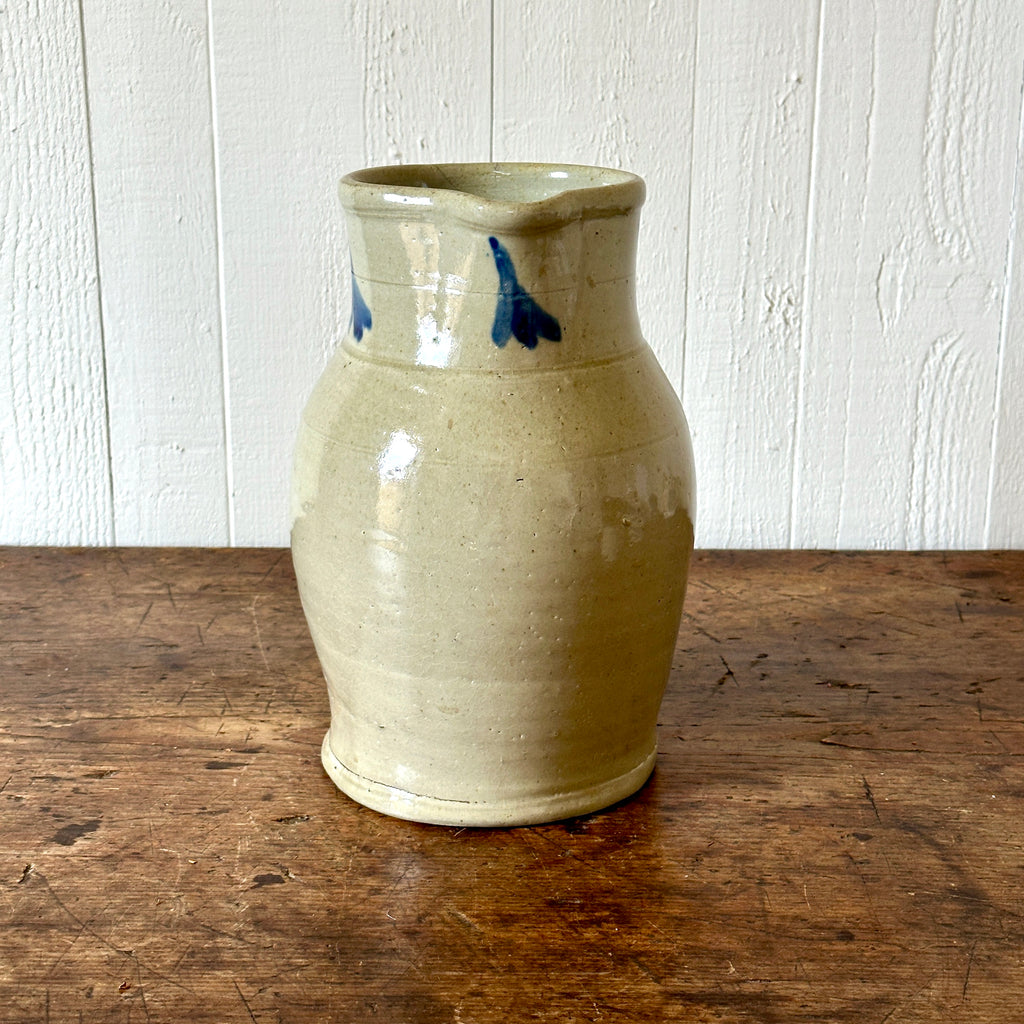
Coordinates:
(700, 629)
(259, 638)
(867, 892)
(181, 959)
(590, 867)
(273, 565)
(272, 696)
(998, 740)
(242, 907)
(67, 949)
(245, 1002)
(85, 926)
(967, 973)
(729, 674)
(141, 989)
(871, 798)
(145, 615)
(645, 970)
(465, 920)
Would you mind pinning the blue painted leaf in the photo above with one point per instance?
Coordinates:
(361, 318)
(517, 314)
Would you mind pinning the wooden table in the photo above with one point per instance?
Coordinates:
(835, 831)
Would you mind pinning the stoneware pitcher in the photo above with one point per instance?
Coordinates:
(492, 499)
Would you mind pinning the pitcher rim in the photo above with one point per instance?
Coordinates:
(548, 194)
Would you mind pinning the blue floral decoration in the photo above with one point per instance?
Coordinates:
(517, 313)
(361, 318)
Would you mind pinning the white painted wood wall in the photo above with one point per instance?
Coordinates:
(832, 257)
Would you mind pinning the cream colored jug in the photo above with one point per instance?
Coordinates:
(492, 499)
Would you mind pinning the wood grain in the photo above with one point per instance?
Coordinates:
(1004, 526)
(829, 268)
(907, 274)
(622, 84)
(286, 83)
(405, 122)
(832, 834)
(54, 446)
(153, 173)
(753, 125)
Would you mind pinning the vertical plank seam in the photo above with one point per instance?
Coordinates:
(112, 517)
(687, 295)
(225, 384)
(492, 128)
(914, 468)
(363, 100)
(809, 238)
(840, 511)
(1004, 316)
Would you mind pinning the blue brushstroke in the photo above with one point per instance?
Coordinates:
(361, 318)
(517, 313)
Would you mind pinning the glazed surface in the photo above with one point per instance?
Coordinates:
(492, 516)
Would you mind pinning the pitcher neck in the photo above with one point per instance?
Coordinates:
(524, 272)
